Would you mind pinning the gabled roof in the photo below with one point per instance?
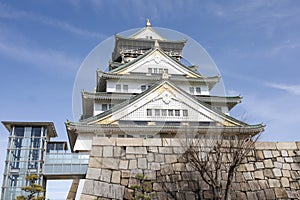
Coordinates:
(147, 30)
(209, 81)
(109, 117)
(126, 66)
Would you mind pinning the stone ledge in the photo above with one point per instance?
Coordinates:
(103, 141)
(129, 141)
(265, 145)
(286, 145)
(152, 142)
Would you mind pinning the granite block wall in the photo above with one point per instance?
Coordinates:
(271, 171)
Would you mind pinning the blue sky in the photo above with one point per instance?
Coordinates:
(255, 45)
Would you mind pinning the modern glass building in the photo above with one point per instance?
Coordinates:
(26, 151)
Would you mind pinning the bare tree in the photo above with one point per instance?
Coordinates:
(216, 159)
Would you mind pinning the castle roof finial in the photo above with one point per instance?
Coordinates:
(156, 44)
(148, 24)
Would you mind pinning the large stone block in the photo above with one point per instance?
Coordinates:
(179, 142)
(270, 193)
(152, 149)
(96, 151)
(265, 145)
(276, 153)
(285, 182)
(259, 165)
(118, 152)
(165, 150)
(254, 186)
(274, 183)
(249, 167)
(280, 193)
(103, 141)
(288, 159)
(286, 145)
(152, 142)
(123, 164)
(129, 141)
(136, 150)
(277, 172)
(278, 165)
(108, 151)
(263, 184)
(105, 175)
(286, 173)
(154, 166)
(259, 174)
(150, 157)
(267, 154)
(268, 163)
(261, 194)
(132, 164)
(251, 195)
(87, 197)
(142, 163)
(298, 145)
(170, 158)
(259, 154)
(150, 174)
(295, 166)
(116, 177)
(180, 167)
(88, 187)
(93, 173)
(286, 166)
(159, 158)
(247, 175)
(268, 173)
(106, 163)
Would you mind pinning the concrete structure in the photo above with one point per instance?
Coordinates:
(131, 124)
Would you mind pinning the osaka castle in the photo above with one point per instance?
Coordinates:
(147, 94)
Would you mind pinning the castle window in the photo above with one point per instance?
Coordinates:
(177, 113)
(154, 70)
(170, 113)
(191, 90)
(185, 113)
(104, 107)
(198, 90)
(143, 87)
(149, 70)
(160, 70)
(157, 112)
(149, 112)
(125, 88)
(163, 112)
(118, 88)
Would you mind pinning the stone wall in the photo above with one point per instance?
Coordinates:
(272, 171)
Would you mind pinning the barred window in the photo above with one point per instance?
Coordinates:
(149, 112)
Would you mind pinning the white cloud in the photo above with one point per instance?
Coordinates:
(18, 48)
(292, 89)
(12, 13)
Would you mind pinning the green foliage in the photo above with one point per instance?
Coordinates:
(143, 189)
(33, 189)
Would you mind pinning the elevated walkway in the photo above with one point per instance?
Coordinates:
(66, 165)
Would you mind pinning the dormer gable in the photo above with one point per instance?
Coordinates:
(153, 62)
